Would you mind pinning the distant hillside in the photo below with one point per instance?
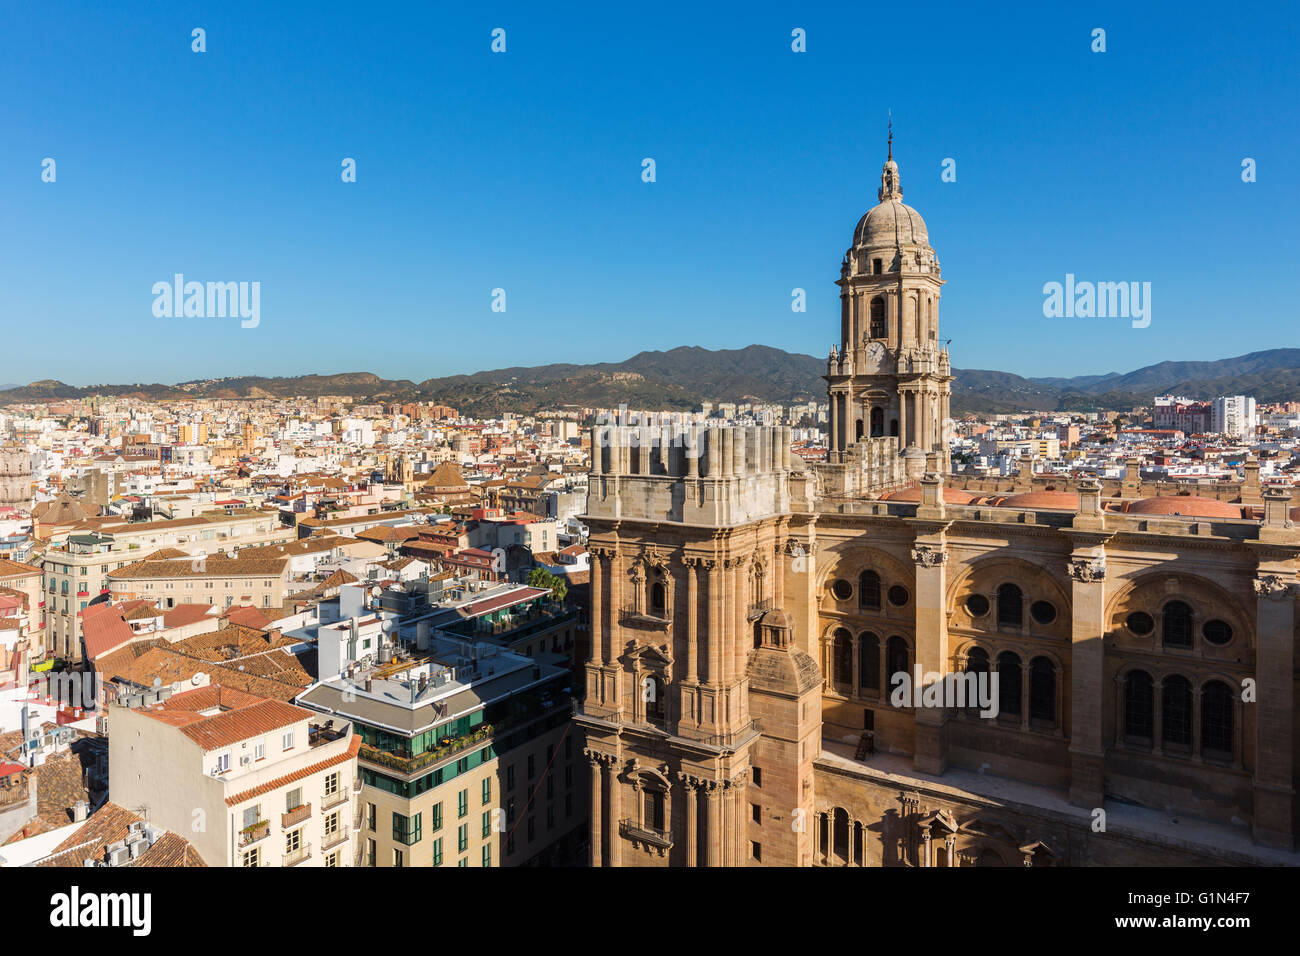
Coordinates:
(682, 378)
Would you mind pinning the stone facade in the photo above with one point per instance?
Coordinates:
(751, 616)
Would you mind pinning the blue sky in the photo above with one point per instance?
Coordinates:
(522, 171)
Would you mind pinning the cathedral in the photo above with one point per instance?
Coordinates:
(750, 615)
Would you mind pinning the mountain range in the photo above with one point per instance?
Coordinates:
(683, 377)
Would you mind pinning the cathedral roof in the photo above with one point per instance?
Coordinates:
(952, 496)
(1190, 505)
(1052, 500)
(891, 223)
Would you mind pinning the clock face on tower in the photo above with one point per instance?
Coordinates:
(876, 354)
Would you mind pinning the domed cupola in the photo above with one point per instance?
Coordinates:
(891, 223)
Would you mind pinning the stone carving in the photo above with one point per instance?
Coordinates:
(1087, 570)
(1274, 586)
(928, 556)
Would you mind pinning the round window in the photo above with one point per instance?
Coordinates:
(977, 605)
(1140, 623)
(898, 595)
(1217, 632)
(842, 590)
(1044, 612)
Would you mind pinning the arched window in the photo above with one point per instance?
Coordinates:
(841, 837)
(1139, 705)
(1176, 711)
(877, 422)
(823, 836)
(1216, 717)
(658, 599)
(1009, 684)
(653, 688)
(878, 318)
(869, 590)
(896, 659)
(843, 656)
(869, 661)
(1176, 625)
(858, 430)
(1042, 689)
(1011, 606)
(977, 662)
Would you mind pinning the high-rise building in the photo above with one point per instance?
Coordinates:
(1234, 415)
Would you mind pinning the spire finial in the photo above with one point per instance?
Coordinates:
(891, 136)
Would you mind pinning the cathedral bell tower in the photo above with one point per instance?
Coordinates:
(890, 376)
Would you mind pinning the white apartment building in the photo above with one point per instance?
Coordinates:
(273, 783)
(1233, 415)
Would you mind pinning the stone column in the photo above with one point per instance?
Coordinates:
(713, 829)
(930, 723)
(598, 606)
(615, 600)
(692, 615)
(615, 843)
(1087, 676)
(740, 819)
(1275, 622)
(712, 669)
(595, 823)
(691, 795)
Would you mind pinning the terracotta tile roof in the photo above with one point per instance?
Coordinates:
(112, 824)
(104, 629)
(232, 725)
(247, 617)
(350, 754)
(183, 614)
(16, 569)
(213, 566)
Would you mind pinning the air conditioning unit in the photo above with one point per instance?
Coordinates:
(101, 724)
(119, 856)
(245, 760)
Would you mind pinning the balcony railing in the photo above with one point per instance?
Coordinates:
(294, 857)
(331, 840)
(331, 800)
(755, 611)
(258, 831)
(640, 833)
(295, 816)
(481, 735)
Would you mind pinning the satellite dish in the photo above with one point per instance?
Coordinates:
(198, 678)
(376, 591)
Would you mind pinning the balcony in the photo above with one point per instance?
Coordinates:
(356, 784)
(318, 734)
(411, 764)
(251, 834)
(295, 816)
(331, 800)
(332, 840)
(640, 834)
(294, 857)
(644, 621)
(755, 611)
